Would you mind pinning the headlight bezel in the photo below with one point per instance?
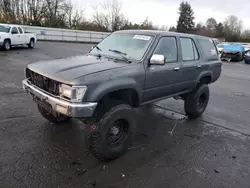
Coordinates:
(74, 94)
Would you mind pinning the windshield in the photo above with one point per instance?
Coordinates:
(130, 45)
(4, 29)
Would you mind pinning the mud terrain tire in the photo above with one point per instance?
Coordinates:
(111, 136)
(196, 102)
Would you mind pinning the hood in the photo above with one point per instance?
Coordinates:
(67, 70)
(3, 34)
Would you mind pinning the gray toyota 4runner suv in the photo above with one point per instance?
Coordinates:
(127, 69)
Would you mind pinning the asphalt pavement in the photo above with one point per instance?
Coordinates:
(169, 150)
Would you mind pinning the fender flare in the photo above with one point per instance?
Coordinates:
(114, 85)
(7, 39)
(204, 74)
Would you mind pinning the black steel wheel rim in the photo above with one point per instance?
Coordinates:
(118, 133)
(201, 100)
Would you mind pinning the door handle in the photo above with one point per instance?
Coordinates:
(176, 68)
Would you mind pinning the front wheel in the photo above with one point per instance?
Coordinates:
(7, 45)
(246, 62)
(196, 102)
(111, 136)
(59, 118)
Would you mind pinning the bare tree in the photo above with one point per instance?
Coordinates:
(163, 28)
(109, 15)
(246, 34)
(232, 25)
(211, 24)
(73, 15)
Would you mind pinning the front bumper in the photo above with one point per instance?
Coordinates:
(1, 43)
(59, 105)
(230, 56)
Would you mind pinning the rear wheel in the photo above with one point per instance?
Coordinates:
(58, 118)
(111, 135)
(196, 101)
(32, 43)
(247, 62)
(6, 45)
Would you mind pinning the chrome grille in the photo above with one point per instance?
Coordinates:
(42, 82)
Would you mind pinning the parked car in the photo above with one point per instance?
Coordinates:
(246, 47)
(216, 41)
(14, 35)
(247, 57)
(233, 52)
(126, 70)
(220, 47)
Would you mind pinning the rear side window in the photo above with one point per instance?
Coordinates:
(208, 48)
(189, 50)
(20, 30)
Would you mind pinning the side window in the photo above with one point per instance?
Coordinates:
(189, 50)
(14, 30)
(167, 46)
(20, 30)
(208, 48)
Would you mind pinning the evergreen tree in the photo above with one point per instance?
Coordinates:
(185, 23)
(220, 30)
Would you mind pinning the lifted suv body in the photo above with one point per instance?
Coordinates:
(130, 67)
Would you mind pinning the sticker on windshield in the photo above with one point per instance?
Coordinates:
(142, 37)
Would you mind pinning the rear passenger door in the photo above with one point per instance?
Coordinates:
(191, 64)
(22, 35)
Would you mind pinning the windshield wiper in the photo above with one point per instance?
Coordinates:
(98, 48)
(121, 54)
(117, 51)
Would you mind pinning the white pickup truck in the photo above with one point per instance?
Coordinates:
(14, 35)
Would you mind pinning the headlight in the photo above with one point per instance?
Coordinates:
(75, 93)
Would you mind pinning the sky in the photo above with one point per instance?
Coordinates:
(165, 12)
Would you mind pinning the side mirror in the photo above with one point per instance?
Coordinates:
(157, 59)
(92, 48)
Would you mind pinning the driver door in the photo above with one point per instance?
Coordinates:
(15, 36)
(164, 80)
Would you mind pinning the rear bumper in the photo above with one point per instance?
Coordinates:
(1, 43)
(59, 105)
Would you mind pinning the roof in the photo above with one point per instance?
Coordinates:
(157, 32)
(10, 25)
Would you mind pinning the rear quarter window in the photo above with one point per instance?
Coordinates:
(209, 49)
